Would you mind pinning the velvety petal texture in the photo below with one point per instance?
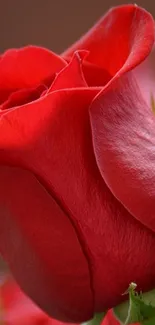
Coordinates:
(76, 169)
(46, 109)
(120, 40)
(27, 67)
(107, 233)
(123, 129)
(32, 235)
(145, 77)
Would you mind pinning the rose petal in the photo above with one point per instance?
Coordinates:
(52, 138)
(41, 246)
(72, 75)
(27, 67)
(123, 129)
(120, 40)
(22, 96)
(145, 76)
(94, 75)
(109, 319)
(29, 122)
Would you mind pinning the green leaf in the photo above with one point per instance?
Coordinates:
(140, 308)
(96, 320)
(149, 321)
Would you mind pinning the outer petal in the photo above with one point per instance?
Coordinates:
(42, 248)
(145, 75)
(52, 138)
(110, 319)
(120, 40)
(123, 129)
(27, 67)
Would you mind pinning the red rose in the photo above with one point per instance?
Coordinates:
(77, 168)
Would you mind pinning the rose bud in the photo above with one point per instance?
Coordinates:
(77, 160)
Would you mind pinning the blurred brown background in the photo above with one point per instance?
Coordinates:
(51, 23)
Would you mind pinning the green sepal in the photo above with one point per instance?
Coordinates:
(150, 321)
(139, 309)
(96, 320)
